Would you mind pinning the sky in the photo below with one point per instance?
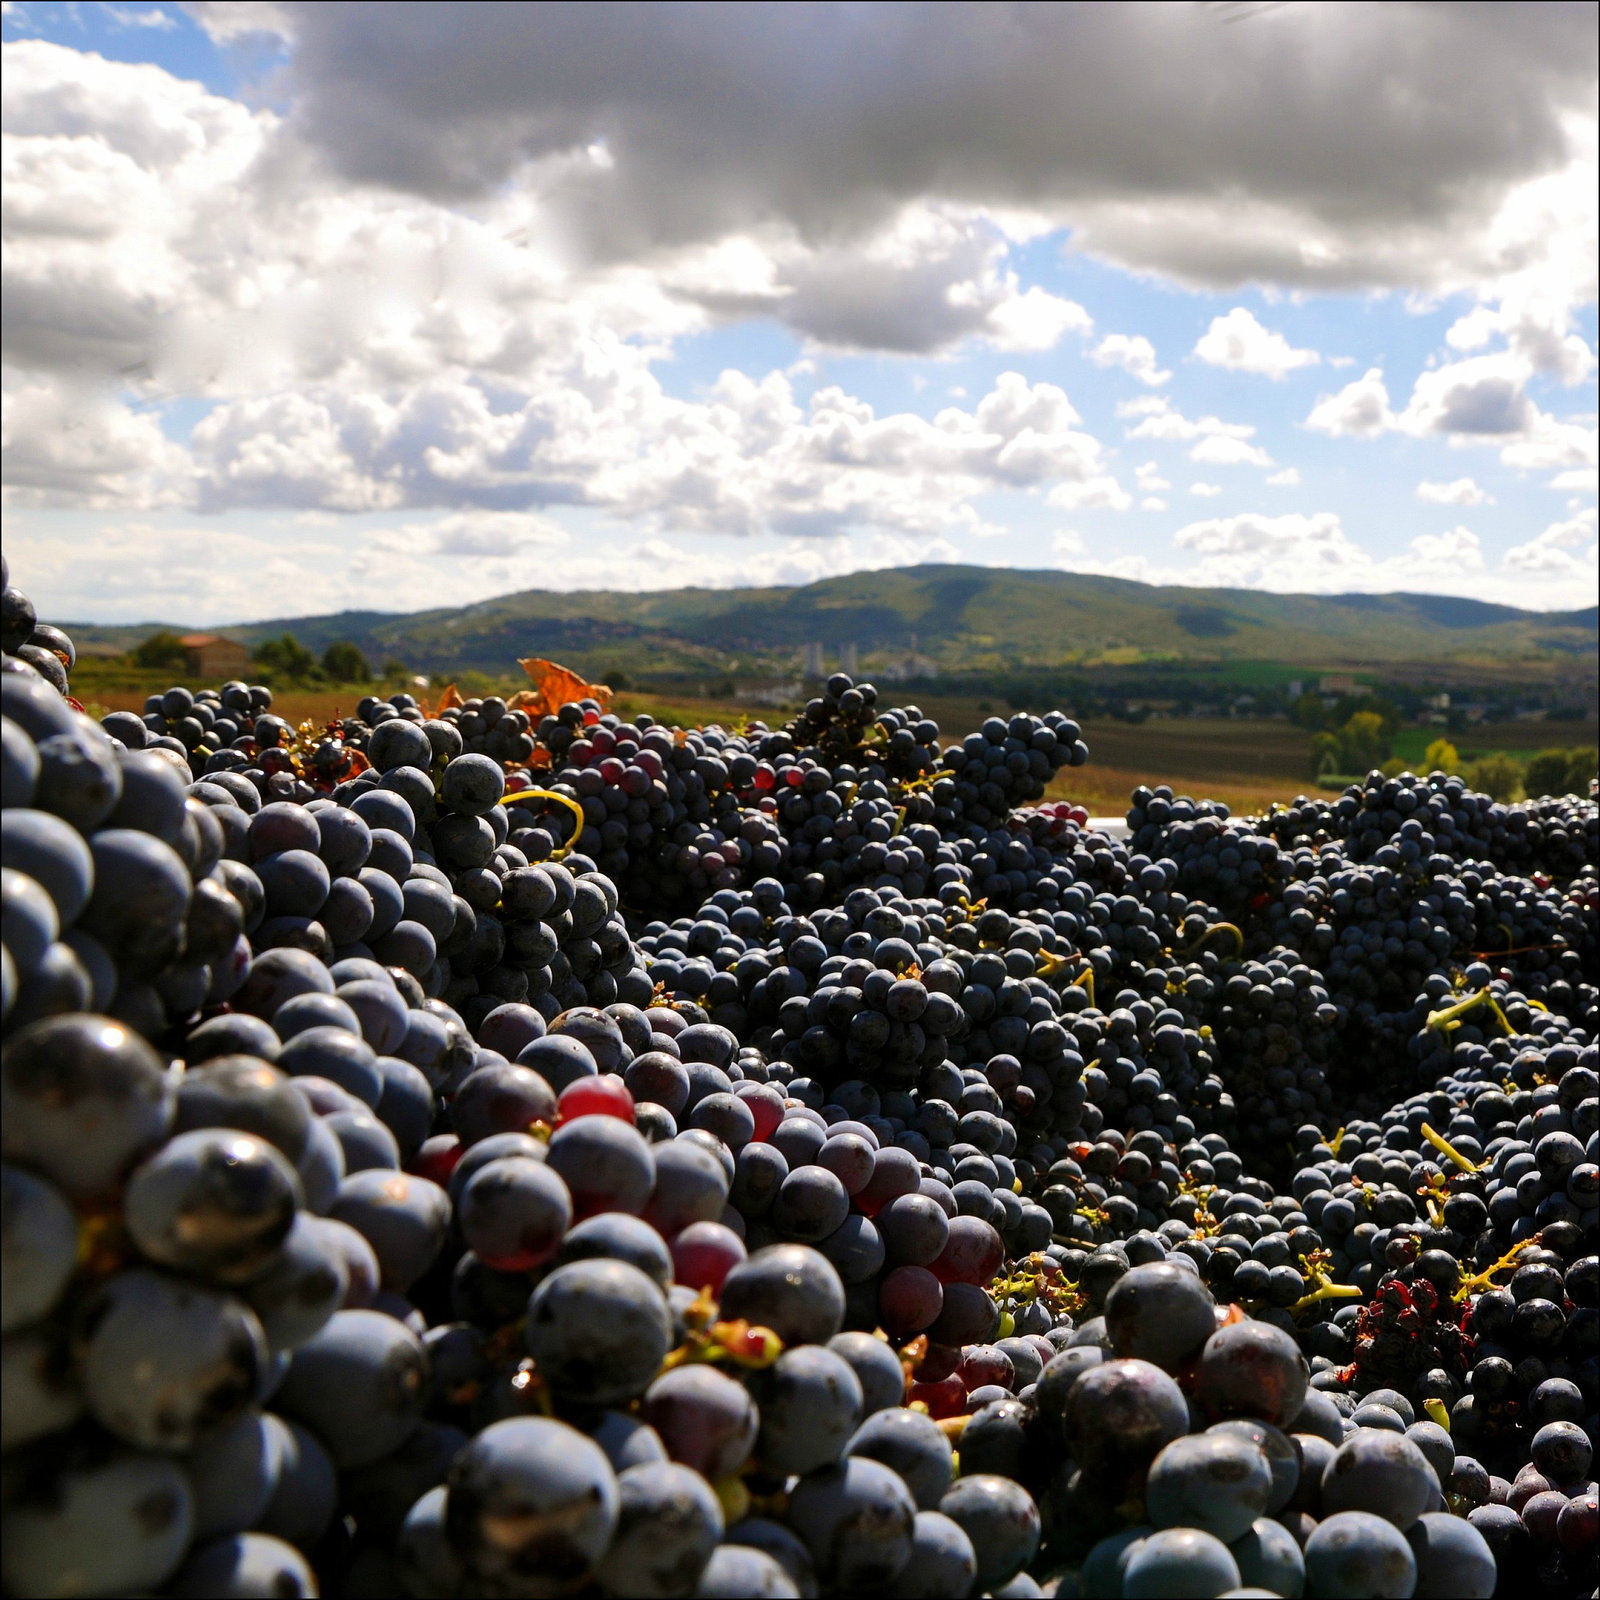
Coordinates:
(321, 306)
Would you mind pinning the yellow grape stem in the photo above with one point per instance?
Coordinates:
(1445, 1148)
(1216, 927)
(1481, 1281)
(1327, 1291)
(560, 800)
(1451, 1015)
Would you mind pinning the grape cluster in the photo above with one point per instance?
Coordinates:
(460, 1154)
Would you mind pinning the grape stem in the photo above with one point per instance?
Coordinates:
(1440, 1020)
(560, 800)
(1445, 1148)
(1480, 1281)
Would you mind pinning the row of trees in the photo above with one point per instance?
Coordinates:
(1553, 771)
(1365, 739)
(280, 660)
(287, 660)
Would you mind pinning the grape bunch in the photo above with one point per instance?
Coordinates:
(464, 1154)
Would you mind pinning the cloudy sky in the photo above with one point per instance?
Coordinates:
(326, 305)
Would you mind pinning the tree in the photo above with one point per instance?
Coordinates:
(1498, 776)
(285, 656)
(161, 650)
(1364, 742)
(343, 663)
(1309, 712)
(1582, 763)
(1546, 773)
(1441, 756)
(395, 671)
(1324, 754)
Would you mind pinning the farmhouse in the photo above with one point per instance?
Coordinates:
(209, 655)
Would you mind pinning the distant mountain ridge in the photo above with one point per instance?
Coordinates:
(960, 618)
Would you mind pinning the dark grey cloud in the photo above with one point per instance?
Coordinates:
(1386, 129)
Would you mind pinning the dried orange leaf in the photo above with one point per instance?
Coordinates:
(555, 686)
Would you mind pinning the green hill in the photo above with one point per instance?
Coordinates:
(963, 620)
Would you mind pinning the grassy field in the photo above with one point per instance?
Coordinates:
(1518, 739)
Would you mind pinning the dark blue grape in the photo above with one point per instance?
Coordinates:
(83, 1099)
(943, 1564)
(232, 1476)
(1159, 1313)
(214, 1202)
(51, 852)
(668, 1523)
(110, 1525)
(245, 1564)
(513, 1212)
(913, 1446)
(404, 1218)
(1219, 1483)
(1356, 1553)
(791, 1289)
(857, 1519)
(598, 1330)
(531, 1501)
(166, 1362)
(1379, 1472)
(810, 1203)
(738, 1572)
(1184, 1559)
(606, 1164)
(40, 1248)
(359, 1385)
(877, 1367)
(338, 1054)
(366, 1142)
(690, 1186)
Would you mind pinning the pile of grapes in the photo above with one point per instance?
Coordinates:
(466, 1155)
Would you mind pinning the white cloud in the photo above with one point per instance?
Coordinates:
(1144, 405)
(1458, 492)
(930, 279)
(127, 17)
(1565, 552)
(65, 441)
(1547, 444)
(1484, 395)
(416, 293)
(1359, 410)
(1237, 341)
(1430, 555)
(1205, 490)
(1537, 333)
(1287, 478)
(1313, 554)
(1160, 421)
(226, 21)
(1583, 479)
(1294, 551)
(1133, 353)
(1103, 491)
(1225, 450)
(715, 124)
(1153, 502)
